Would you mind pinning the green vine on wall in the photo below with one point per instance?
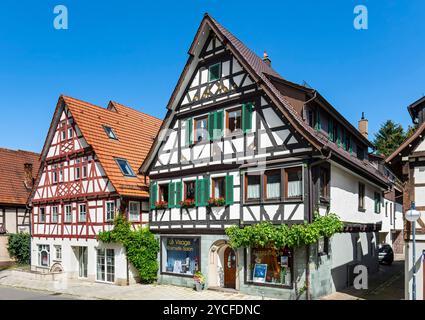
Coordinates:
(141, 247)
(265, 234)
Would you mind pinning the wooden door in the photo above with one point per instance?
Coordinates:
(229, 268)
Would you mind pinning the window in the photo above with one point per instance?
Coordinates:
(234, 120)
(134, 211)
(201, 129)
(68, 213)
(272, 181)
(110, 132)
(324, 189)
(85, 166)
(58, 252)
(105, 265)
(347, 142)
(163, 192)
(55, 214)
(310, 118)
(386, 210)
(70, 133)
(55, 174)
(181, 255)
(323, 246)
(218, 187)
(361, 196)
(189, 190)
(42, 215)
(252, 189)
(43, 255)
(293, 183)
(110, 211)
(82, 262)
(377, 202)
(335, 137)
(63, 135)
(82, 213)
(391, 214)
(360, 153)
(77, 173)
(266, 265)
(61, 177)
(214, 72)
(125, 167)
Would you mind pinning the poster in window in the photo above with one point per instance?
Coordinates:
(260, 272)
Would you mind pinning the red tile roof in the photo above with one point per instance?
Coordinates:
(135, 130)
(13, 190)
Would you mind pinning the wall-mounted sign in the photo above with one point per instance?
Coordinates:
(181, 244)
(260, 272)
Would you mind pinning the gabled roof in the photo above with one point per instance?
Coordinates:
(413, 106)
(135, 130)
(264, 76)
(13, 190)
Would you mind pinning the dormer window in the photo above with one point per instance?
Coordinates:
(125, 167)
(110, 132)
(214, 72)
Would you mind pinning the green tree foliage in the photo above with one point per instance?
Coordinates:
(19, 247)
(141, 247)
(265, 234)
(389, 137)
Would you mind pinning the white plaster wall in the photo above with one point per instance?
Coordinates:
(408, 268)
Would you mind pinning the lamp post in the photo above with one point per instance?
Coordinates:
(413, 215)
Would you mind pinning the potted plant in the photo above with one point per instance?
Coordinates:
(199, 279)
(161, 205)
(187, 203)
(216, 202)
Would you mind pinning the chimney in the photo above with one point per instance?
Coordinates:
(29, 180)
(266, 59)
(363, 126)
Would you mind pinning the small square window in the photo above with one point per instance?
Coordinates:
(125, 167)
(110, 132)
(214, 72)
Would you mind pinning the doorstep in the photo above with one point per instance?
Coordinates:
(225, 290)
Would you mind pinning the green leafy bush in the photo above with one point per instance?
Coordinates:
(265, 234)
(19, 247)
(141, 247)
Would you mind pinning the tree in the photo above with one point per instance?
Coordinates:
(389, 137)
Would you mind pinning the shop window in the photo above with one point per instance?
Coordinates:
(234, 120)
(201, 129)
(272, 180)
(252, 187)
(293, 183)
(181, 255)
(270, 266)
(43, 255)
(218, 187)
(189, 190)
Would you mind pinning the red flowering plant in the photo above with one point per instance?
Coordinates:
(199, 277)
(187, 203)
(161, 205)
(216, 202)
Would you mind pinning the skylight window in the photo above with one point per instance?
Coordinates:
(125, 167)
(110, 132)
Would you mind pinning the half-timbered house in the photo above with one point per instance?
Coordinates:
(239, 145)
(17, 169)
(408, 163)
(88, 174)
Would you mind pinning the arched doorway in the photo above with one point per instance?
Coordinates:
(229, 268)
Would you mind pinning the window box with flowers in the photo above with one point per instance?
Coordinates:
(199, 279)
(161, 205)
(217, 202)
(187, 203)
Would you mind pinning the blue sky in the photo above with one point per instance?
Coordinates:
(133, 52)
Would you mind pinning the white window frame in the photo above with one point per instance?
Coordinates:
(77, 171)
(42, 209)
(55, 173)
(58, 252)
(110, 214)
(134, 217)
(68, 215)
(40, 249)
(79, 212)
(55, 214)
(105, 257)
(70, 133)
(85, 168)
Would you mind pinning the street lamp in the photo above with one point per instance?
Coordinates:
(413, 215)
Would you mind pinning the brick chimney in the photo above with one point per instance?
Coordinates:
(364, 126)
(266, 59)
(29, 179)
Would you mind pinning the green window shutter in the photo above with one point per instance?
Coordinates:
(206, 191)
(344, 139)
(178, 194)
(171, 195)
(211, 125)
(229, 190)
(330, 129)
(351, 145)
(338, 136)
(188, 132)
(247, 117)
(198, 192)
(318, 124)
(153, 194)
(219, 124)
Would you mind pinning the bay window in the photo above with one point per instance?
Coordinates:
(293, 183)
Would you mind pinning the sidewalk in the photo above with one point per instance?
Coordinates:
(89, 290)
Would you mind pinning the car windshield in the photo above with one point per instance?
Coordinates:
(385, 249)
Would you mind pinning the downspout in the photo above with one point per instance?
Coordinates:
(30, 229)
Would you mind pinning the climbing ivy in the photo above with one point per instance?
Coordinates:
(141, 247)
(265, 234)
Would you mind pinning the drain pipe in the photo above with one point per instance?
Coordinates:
(310, 217)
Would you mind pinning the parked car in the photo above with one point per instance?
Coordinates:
(385, 254)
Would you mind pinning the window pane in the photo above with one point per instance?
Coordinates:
(234, 120)
(253, 188)
(219, 187)
(294, 183)
(273, 185)
(125, 167)
(182, 255)
(214, 72)
(190, 190)
(201, 129)
(100, 265)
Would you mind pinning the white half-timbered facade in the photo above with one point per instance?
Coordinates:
(87, 177)
(240, 145)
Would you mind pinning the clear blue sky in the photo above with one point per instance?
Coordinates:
(133, 52)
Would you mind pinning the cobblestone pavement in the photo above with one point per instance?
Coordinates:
(90, 290)
(386, 284)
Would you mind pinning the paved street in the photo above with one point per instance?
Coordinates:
(7, 293)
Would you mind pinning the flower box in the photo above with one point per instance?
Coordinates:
(187, 203)
(216, 202)
(161, 205)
